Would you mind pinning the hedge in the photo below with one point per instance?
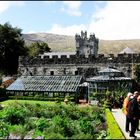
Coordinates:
(113, 129)
(37, 98)
(3, 98)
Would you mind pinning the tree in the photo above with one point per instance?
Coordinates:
(137, 72)
(38, 48)
(11, 47)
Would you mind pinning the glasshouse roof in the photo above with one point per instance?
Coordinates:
(46, 83)
(106, 78)
(108, 70)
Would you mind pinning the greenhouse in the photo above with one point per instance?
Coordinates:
(47, 85)
(109, 79)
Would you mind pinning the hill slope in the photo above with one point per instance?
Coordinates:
(63, 43)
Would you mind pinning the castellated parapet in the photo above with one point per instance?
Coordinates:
(74, 59)
(78, 65)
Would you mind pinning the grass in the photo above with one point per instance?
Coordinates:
(27, 101)
(114, 131)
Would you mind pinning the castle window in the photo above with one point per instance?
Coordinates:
(76, 72)
(51, 72)
(64, 71)
(44, 70)
(77, 52)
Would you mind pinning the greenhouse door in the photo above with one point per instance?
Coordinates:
(83, 95)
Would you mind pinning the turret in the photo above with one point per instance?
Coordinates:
(86, 46)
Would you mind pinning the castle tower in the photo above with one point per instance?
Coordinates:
(86, 46)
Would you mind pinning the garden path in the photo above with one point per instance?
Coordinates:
(120, 119)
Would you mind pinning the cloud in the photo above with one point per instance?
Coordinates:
(69, 30)
(49, 2)
(117, 20)
(72, 8)
(31, 32)
(4, 5)
(112, 21)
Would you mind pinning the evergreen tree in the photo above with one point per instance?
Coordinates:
(11, 47)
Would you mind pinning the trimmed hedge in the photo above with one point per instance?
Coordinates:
(113, 130)
(3, 98)
(37, 98)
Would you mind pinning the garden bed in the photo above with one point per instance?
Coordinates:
(47, 121)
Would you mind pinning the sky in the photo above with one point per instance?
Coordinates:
(109, 20)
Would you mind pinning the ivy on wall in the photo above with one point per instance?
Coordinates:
(137, 72)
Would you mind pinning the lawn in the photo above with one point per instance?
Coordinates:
(28, 101)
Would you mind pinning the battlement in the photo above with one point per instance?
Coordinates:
(74, 59)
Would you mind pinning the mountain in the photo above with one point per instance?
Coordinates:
(63, 43)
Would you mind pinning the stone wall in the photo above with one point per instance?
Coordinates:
(77, 65)
(74, 59)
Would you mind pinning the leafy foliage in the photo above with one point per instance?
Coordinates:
(3, 129)
(18, 130)
(53, 135)
(137, 72)
(37, 48)
(15, 114)
(55, 121)
(110, 99)
(11, 46)
(82, 136)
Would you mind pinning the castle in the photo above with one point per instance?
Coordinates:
(85, 61)
(85, 46)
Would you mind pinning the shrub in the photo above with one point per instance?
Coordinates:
(69, 127)
(82, 136)
(53, 128)
(3, 129)
(98, 117)
(72, 112)
(58, 100)
(37, 134)
(41, 124)
(18, 130)
(30, 123)
(102, 134)
(53, 135)
(37, 96)
(88, 127)
(57, 121)
(16, 114)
